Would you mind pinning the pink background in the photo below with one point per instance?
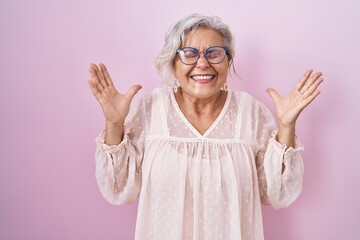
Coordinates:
(49, 118)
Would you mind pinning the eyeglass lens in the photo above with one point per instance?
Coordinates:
(213, 55)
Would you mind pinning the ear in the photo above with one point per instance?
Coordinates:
(173, 73)
(230, 61)
(173, 65)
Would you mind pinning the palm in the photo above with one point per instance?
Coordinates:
(114, 105)
(288, 108)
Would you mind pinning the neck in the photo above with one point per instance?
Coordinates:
(198, 106)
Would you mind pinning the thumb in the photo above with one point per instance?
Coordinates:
(132, 91)
(273, 94)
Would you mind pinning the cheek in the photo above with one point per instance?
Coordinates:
(223, 71)
(181, 70)
(177, 68)
(223, 68)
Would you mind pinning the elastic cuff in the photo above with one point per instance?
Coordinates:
(100, 140)
(282, 148)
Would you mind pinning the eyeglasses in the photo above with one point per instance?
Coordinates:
(213, 55)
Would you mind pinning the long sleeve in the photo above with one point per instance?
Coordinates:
(277, 187)
(118, 168)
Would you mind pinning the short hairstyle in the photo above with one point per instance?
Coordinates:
(176, 36)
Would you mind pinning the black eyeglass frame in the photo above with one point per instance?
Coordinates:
(205, 52)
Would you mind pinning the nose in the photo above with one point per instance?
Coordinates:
(202, 62)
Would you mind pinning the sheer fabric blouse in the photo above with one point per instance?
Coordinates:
(194, 186)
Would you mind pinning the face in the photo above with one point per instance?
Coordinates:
(201, 80)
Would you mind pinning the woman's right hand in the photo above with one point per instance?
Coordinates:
(114, 104)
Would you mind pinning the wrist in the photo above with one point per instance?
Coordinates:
(286, 135)
(115, 125)
(286, 128)
(286, 124)
(113, 133)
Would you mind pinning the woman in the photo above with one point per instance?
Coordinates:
(200, 157)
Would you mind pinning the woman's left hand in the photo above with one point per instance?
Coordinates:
(288, 108)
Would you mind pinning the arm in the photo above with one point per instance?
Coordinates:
(118, 154)
(288, 108)
(280, 167)
(118, 167)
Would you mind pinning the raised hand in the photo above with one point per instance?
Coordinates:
(114, 104)
(288, 108)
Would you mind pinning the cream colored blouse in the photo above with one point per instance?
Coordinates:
(194, 186)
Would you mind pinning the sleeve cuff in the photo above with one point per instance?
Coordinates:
(282, 148)
(100, 141)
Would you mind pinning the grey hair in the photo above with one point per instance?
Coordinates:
(176, 36)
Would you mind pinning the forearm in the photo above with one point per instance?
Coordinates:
(118, 171)
(286, 135)
(283, 187)
(114, 133)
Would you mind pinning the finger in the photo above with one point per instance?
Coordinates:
(106, 75)
(303, 79)
(312, 88)
(273, 94)
(311, 98)
(93, 74)
(95, 90)
(310, 81)
(99, 75)
(94, 78)
(132, 91)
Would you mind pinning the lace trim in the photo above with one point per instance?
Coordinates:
(198, 139)
(240, 115)
(190, 126)
(163, 114)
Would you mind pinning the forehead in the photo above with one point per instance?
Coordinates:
(202, 38)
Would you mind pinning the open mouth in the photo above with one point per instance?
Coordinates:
(203, 78)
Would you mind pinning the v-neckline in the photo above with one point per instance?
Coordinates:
(190, 125)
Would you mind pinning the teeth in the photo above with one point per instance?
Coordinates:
(204, 77)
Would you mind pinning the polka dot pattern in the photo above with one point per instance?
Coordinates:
(193, 186)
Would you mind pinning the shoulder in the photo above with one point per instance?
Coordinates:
(157, 95)
(252, 112)
(244, 98)
(249, 106)
(148, 96)
(152, 101)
